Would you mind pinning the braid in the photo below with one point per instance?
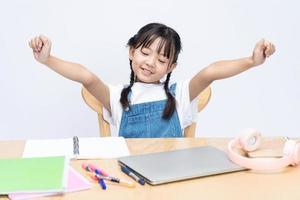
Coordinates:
(171, 103)
(124, 94)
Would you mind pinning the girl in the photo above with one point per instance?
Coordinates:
(149, 106)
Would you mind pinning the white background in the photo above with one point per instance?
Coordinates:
(38, 103)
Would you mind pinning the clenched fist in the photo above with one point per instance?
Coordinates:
(41, 46)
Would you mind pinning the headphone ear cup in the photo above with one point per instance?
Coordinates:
(292, 150)
(296, 154)
(289, 150)
(250, 139)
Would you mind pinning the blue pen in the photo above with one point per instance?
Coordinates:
(101, 181)
(133, 175)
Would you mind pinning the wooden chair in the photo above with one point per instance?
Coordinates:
(94, 104)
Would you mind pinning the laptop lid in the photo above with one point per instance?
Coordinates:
(165, 167)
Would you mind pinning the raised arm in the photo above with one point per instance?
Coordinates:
(41, 47)
(228, 68)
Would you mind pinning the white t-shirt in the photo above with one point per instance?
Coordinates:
(144, 92)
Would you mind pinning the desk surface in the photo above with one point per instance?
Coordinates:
(240, 185)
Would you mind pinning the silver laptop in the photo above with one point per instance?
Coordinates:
(165, 167)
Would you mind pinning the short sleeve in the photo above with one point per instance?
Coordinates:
(187, 110)
(113, 117)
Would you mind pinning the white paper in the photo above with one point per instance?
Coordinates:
(102, 147)
(49, 147)
(89, 148)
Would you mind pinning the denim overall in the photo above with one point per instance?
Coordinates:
(145, 120)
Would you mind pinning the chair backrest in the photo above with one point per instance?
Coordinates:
(94, 104)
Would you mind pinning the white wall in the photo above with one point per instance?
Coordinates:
(37, 103)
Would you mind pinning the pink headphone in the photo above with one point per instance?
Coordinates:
(250, 141)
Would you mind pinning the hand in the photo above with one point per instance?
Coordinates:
(262, 50)
(41, 47)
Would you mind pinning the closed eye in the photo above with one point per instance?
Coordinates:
(144, 52)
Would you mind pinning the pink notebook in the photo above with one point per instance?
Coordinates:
(76, 182)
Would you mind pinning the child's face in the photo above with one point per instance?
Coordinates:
(148, 65)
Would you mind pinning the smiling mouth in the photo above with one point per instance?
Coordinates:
(146, 71)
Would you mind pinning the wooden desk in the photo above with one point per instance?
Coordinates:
(241, 185)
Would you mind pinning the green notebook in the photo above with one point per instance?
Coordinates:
(44, 174)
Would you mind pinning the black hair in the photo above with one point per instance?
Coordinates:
(170, 42)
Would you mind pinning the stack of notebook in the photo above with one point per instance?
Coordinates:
(26, 178)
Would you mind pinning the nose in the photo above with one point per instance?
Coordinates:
(150, 61)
